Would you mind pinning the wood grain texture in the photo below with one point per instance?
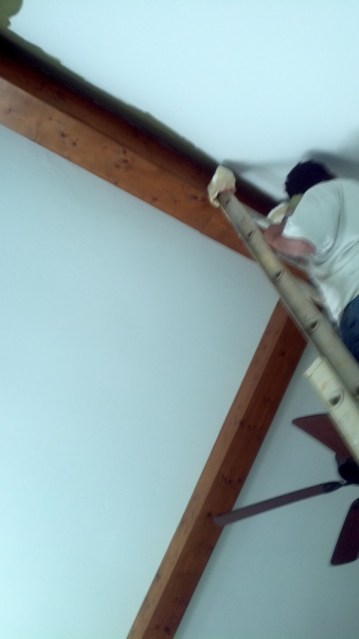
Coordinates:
(224, 474)
(88, 131)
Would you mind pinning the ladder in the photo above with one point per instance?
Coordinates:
(334, 375)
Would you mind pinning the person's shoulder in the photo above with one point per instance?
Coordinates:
(334, 184)
(324, 197)
(347, 183)
(339, 182)
(334, 187)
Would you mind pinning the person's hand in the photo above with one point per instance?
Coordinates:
(273, 232)
(223, 181)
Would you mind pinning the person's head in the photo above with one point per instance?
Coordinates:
(305, 175)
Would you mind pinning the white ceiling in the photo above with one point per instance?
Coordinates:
(257, 83)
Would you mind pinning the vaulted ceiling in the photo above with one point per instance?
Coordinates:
(169, 92)
(255, 83)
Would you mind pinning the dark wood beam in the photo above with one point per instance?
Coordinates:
(224, 474)
(65, 115)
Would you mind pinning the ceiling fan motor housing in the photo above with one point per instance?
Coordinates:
(349, 470)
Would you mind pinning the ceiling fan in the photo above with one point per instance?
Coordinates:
(321, 428)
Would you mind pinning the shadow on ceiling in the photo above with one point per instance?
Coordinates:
(270, 176)
(345, 163)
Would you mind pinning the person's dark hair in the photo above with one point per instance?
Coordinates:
(305, 175)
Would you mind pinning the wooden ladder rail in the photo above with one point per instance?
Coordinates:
(335, 374)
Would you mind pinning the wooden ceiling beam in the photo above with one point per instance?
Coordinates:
(63, 116)
(223, 476)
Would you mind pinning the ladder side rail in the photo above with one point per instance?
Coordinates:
(307, 316)
(306, 287)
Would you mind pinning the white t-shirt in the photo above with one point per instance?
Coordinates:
(328, 217)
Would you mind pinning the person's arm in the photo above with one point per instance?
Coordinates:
(296, 248)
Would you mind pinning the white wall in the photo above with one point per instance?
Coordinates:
(124, 337)
(269, 576)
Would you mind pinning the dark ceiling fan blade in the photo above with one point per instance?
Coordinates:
(347, 546)
(321, 428)
(276, 502)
